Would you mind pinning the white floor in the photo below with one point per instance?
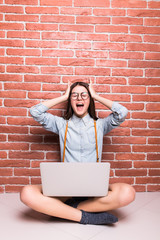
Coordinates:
(140, 221)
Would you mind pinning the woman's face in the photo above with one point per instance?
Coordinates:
(80, 101)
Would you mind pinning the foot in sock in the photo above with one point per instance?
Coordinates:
(74, 202)
(98, 218)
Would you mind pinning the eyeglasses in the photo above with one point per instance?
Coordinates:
(75, 96)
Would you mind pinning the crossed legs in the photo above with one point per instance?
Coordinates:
(119, 195)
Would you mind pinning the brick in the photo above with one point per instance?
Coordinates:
(13, 111)
(152, 72)
(22, 69)
(108, 46)
(11, 26)
(57, 70)
(146, 180)
(11, 9)
(122, 180)
(41, 44)
(23, 34)
(143, 47)
(142, 13)
(154, 140)
(116, 148)
(153, 4)
(41, 10)
(41, 27)
(22, 18)
(145, 132)
(14, 163)
(41, 78)
(127, 72)
(129, 140)
(153, 156)
(143, 64)
(130, 156)
(108, 12)
(58, 53)
(128, 89)
(153, 124)
(111, 29)
(93, 71)
(134, 123)
(12, 94)
(146, 98)
(76, 62)
(15, 129)
(19, 103)
(45, 147)
(92, 37)
(43, 95)
(12, 189)
(144, 30)
(10, 77)
(125, 38)
(5, 171)
(76, 28)
(41, 61)
(153, 106)
(75, 45)
(151, 22)
(14, 180)
(26, 172)
(11, 43)
(140, 188)
(92, 54)
(24, 52)
(147, 164)
(58, 36)
(111, 63)
(92, 20)
(20, 121)
(91, 3)
(127, 20)
(152, 56)
(153, 188)
(23, 86)
(11, 60)
(26, 155)
(128, 4)
(3, 154)
(56, 3)
(154, 172)
(23, 2)
(134, 106)
(111, 80)
(36, 180)
(57, 19)
(2, 138)
(126, 55)
(149, 148)
(75, 11)
(131, 172)
(143, 81)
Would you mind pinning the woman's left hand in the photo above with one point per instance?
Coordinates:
(91, 89)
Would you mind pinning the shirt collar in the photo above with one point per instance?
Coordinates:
(85, 119)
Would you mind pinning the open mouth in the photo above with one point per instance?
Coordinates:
(79, 106)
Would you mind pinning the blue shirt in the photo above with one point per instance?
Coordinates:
(80, 143)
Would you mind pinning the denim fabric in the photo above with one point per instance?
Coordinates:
(80, 144)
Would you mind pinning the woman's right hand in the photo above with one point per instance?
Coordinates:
(68, 90)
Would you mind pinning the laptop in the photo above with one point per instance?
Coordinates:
(75, 179)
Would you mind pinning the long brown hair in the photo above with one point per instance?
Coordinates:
(91, 108)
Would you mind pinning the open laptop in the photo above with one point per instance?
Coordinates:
(75, 179)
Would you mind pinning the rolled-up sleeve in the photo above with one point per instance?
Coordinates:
(117, 116)
(48, 121)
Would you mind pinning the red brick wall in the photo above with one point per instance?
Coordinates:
(43, 44)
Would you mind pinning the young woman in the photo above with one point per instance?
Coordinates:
(80, 147)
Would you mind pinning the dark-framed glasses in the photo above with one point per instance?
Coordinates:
(75, 96)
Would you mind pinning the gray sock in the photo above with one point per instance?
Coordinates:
(97, 218)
